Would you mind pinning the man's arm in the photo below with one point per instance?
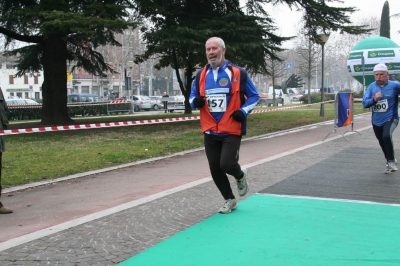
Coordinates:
(193, 94)
(252, 97)
(195, 100)
(368, 99)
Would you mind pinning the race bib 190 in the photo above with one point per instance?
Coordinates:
(381, 106)
(216, 102)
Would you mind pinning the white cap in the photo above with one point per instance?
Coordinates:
(381, 67)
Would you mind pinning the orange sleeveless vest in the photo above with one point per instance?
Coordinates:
(227, 125)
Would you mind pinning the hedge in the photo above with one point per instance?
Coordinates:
(29, 112)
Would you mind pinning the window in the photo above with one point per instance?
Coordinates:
(26, 81)
(72, 98)
(95, 90)
(11, 79)
(35, 79)
(85, 89)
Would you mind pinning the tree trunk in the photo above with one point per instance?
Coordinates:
(54, 87)
(189, 79)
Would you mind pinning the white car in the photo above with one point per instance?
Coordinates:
(312, 91)
(21, 102)
(268, 98)
(294, 94)
(142, 102)
(156, 102)
(176, 103)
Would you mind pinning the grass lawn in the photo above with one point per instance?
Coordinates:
(37, 156)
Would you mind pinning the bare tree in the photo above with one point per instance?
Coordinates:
(308, 55)
(277, 69)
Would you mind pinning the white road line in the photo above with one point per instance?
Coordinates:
(329, 199)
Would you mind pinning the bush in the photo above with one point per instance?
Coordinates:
(358, 94)
(24, 112)
(316, 97)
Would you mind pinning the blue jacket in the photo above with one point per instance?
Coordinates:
(387, 106)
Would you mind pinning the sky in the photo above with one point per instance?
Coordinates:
(288, 20)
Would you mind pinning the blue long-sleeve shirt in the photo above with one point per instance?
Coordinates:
(386, 108)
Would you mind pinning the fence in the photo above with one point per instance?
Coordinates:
(117, 106)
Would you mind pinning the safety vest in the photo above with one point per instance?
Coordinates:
(227, 125)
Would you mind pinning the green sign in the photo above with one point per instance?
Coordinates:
(393, 66)
(382, 53)
(367, 68)
(356, 55)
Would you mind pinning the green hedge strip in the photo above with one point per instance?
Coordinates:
(30, 112)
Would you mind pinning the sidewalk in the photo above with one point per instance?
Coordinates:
(106, 218)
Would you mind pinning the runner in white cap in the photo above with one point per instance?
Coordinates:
(382, 97)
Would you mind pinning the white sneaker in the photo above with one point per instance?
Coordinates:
(229, 205)
(243, 184)
(391, 167)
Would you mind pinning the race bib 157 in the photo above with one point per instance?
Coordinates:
(216, 102)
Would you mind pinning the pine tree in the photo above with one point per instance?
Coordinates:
(57, 31)
(385, 21)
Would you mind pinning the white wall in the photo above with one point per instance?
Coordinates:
(19, 88)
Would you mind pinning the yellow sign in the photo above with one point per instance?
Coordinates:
(69, 80)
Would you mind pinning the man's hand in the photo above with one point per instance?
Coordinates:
(199, 101)
(238, 116)
(377, 96)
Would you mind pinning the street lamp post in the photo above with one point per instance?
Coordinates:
(167, 87)
(323, 38)
(128, 76)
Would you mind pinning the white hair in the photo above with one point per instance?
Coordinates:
(220, 42)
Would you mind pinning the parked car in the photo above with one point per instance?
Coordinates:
(82, 97)
(21, 102)
(141, 102)
(156, 102)
(312, 91)
(268, 98)
(176, 103)
(294, 94)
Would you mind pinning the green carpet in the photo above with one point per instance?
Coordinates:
(272, 230)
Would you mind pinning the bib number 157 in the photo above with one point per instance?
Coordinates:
(216, 102)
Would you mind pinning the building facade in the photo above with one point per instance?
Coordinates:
(27, 87)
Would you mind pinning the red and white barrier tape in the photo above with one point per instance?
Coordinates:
(119, 101)
(128, 123)
(287, 108)
(19, 106)
(97, 125)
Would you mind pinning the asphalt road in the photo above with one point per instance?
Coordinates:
(107, 216)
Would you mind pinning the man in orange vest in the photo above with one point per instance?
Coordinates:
(225, 95)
